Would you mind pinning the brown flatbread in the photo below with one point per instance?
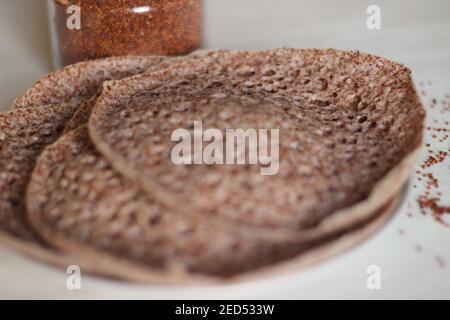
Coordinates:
(84, 110)
(25, 132)
(75, 83)
(355, 117)
(77, 203)
(141, 231)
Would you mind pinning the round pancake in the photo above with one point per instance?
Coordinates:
(356, 118)
(27, 132)
(79, 204)
(74, 193)
(75, 83)
(82, 114)
(111, 261)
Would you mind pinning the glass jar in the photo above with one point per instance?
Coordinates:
(89, 29)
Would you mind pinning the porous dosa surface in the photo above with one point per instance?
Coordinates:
(75, 83)
(74, 194)
(24, 133)
(123, 257)
(28, 132)
(79, 204)
(355, 116)
(81, 116)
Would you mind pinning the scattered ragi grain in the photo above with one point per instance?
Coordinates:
(429, 197)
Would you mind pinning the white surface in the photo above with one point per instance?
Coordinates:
(416, 33)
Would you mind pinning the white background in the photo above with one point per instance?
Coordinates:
(416, 33)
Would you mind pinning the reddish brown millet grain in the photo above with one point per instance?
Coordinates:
(111, 28)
